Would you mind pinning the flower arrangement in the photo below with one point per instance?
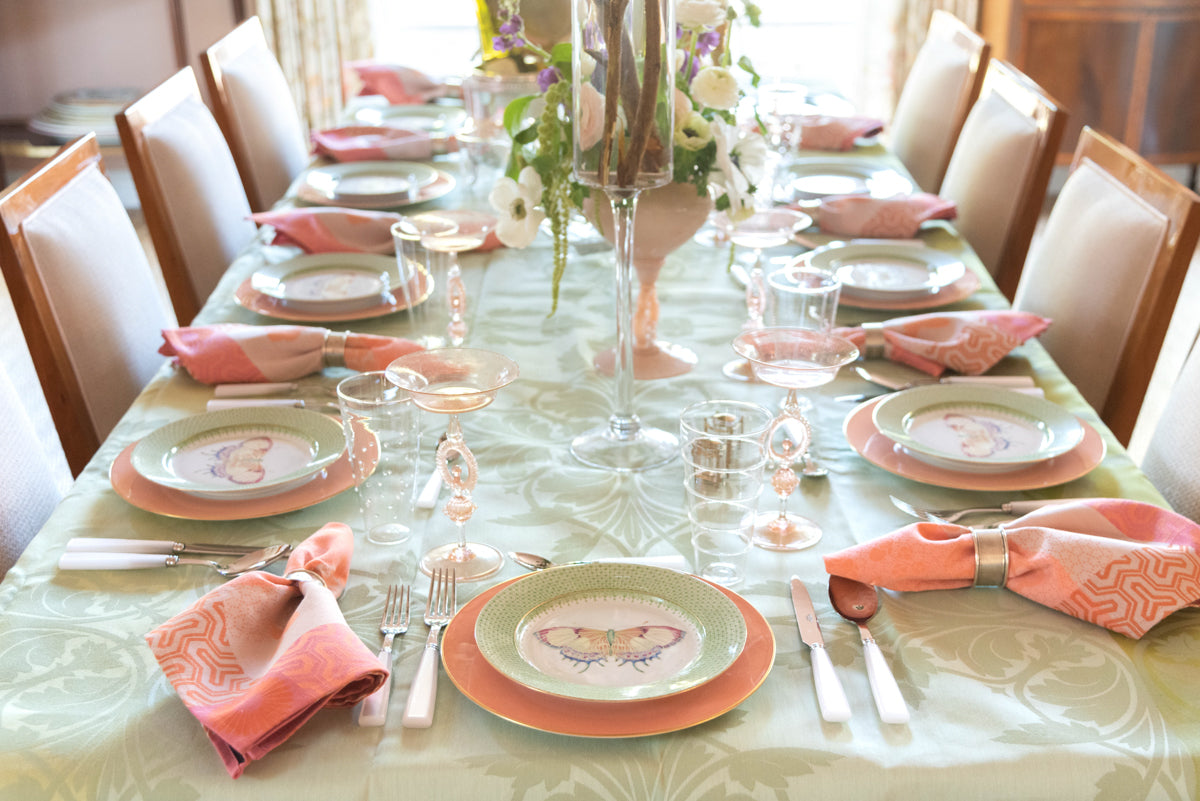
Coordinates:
(710, 151)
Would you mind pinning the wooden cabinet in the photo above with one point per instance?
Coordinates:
(1130, 69)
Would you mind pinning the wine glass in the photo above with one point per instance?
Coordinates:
(453, 381)
(794, 359)
(765, 228)
(451, 232)
(622, 88)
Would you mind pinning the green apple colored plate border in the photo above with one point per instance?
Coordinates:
(938, 269)
(610, 631)
(272, 279)
(324, 180)
(978, 429)
(309, 442)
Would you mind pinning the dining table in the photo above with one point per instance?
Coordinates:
(1008, 699)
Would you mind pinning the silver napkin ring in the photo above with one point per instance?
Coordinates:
(301, 576)
(875, 341)
(333, 351)
(991, 557)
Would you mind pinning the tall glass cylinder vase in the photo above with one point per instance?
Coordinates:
(623, 62)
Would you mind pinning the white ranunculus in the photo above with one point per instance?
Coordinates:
(700, 14)
(517, 202)
(715, 87)
(587, 65)
(693, 131)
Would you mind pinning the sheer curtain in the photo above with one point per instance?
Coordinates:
(312, 39)
(911, 23)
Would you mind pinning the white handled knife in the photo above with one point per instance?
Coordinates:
(830, 695)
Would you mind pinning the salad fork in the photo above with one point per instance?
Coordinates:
(373, 711)
(1012, 508)
(440, 608)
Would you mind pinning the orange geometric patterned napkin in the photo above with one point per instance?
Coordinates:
(898, 216)
(372, 143)
(1124, 565)
(969, 342)
(233, 353)
(332, 230)
(826, 132)
(258, 656)
(400, 85)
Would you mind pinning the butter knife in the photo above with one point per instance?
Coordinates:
(830, 695)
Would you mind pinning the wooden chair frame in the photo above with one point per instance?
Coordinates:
(1023, 94)
(31, 299)
(1145, 337)
(131, 124)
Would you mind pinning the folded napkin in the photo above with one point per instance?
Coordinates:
(331, 230)
(370, 143)
(260, 655)
(400, 85)
(1124, 565)
(899, 216)
(229, 353)
(825, 132)
(969, 342)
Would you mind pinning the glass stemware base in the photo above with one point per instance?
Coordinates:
(625, 449)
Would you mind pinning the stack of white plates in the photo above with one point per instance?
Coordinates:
(238, 454)
(75, 113)
(329, 283)
(368, 184)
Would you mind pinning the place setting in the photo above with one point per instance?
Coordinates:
(373, 184)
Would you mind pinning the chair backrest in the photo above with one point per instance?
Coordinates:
(1172, 457)
(191, 194)
(1001, 167)
(86, 297)
(1107, 269)
(943, 83)
(255, 108)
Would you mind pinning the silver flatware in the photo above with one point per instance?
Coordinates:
(255, 560)
(117, 545)
(896, 384)
(439, 610)
(374, 708)
(531, 561)
(830, 695)
(1013, 508)
(858, 602)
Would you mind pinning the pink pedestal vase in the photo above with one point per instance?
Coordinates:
(666, 218)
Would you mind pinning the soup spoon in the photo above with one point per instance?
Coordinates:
(858, 603)
(255, 560)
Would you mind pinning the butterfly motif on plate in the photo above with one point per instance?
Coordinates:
(635, 645)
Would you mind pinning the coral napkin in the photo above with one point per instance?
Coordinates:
(231, 353)
(370, 143)
(260, 655)
(823, 132)
(895, 217)
(969, 342)
(331, 230)
(400, 85)
(1124, 565)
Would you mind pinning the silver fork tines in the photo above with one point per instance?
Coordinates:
(443, 603)
(373, 711)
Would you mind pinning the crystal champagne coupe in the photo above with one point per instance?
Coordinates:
(794, 359)
(623, 114)
(453, 381)
(451, 232)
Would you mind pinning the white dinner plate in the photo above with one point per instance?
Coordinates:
(886, 272)
(368, 181)
(977, 429)
(442, 184)
(241, 453)
(815, 178)
(436, 119)
(610, 632)
(332, 283)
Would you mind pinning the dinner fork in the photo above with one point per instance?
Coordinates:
(1012, 508)
(440, 608)
(373, 711)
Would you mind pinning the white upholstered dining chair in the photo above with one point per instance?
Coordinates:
(1170, 461)
(1001, 167)
(1107, 269)
(191, 194)
(83, 290)
(939, 91)
(255, 108)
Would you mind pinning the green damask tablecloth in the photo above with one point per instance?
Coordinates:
(1009, 699)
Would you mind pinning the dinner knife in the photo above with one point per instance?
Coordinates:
(830, 695)
(113, 545)
(1006, 381)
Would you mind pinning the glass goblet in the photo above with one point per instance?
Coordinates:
(794, 359)
(451, 232)
(453, 381)
(765, 228)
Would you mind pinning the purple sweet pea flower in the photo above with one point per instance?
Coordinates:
(705, 42)
(512, 25)
(548, 77)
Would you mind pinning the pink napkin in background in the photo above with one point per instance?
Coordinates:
(825, 132)
(370, 143)
(258, 656)
(1120, 564)
(400, 85)
(899, 216)
(968, 342)
(331, 230)
(232, 353)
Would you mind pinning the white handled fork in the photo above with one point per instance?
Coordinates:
(374, 708)
(440, 608)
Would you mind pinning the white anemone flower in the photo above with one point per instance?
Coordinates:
(728, 177)
(517, 201)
